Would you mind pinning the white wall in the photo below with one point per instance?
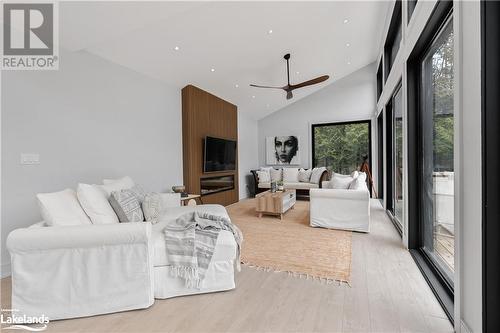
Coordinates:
(470, 205)
(90, 120)
(350, 98)
(247, 152)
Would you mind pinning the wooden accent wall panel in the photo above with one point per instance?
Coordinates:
(204, 114)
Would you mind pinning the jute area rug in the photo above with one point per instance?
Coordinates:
(291, 245)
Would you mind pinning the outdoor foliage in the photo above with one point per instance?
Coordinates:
(442, 82)
(340, 148)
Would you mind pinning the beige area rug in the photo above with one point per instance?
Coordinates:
(291, 245)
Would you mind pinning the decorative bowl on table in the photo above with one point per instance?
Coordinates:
(179, 188)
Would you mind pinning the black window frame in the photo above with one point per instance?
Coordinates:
(437, 281)
(490, 141)
(380, 155)
(395, 26)
(380, 79)
(388, 161)
(367, 121)
(411, 4)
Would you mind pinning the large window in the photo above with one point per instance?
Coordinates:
(431, 137)
(393, 40)
(397, 157)
(380, 84)
(341, 147)
(436, 142)
(411, 7)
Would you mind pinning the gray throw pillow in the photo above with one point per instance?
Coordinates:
(126, 205)
(152, 207)
(138, 192)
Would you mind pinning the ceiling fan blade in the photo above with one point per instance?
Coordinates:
(257, 86)
(289, 94)
(310, 82)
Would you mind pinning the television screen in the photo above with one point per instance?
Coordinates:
(220, 154)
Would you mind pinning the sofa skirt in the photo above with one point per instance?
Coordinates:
(219, 277)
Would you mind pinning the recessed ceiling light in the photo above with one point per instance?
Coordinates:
(270, 31)
(176, 48)
(347, 44)
(253, 96)
(345, 21)
(236, 85)
(212, 70)
(348, 62)
(297, 73)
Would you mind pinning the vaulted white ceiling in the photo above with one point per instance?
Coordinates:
(234, 39)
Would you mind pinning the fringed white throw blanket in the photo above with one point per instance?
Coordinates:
(190, 242)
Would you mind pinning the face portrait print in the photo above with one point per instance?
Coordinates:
(285, 148)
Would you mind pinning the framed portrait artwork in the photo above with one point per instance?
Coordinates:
(283, 150)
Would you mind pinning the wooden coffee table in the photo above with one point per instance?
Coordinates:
(277, 203)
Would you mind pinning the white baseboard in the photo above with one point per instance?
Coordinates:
(5, 270)
(464, 328)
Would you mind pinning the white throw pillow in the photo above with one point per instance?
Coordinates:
(342, 182)
(95, 204)
(316, 175)
(264, 176)
(276, 175)
(61, 208)
(290, 175)
(124, 183)
(359, 183)
(305, 175)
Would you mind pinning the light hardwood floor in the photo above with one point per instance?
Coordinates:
(387, 294)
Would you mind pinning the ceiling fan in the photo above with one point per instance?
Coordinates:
(290, 87)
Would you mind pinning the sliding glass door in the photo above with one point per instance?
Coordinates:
(397, 157)
(436, 144)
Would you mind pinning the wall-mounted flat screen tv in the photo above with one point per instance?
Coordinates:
(220, 155)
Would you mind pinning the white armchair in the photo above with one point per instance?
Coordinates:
(340, 209)
(75, 271)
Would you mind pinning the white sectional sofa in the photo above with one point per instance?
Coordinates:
(83, 270)
(302, 186)
(343, 204)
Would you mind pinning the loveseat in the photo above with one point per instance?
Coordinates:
(342, 203)
(302, 186)
(68, 271)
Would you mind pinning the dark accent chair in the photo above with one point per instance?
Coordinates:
(301, 193)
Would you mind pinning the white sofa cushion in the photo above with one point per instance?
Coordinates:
(316, 175)
(276, 174)
(95, 204)
(264, 176)
(116, 185)
(300, 186)
(290, 175)
(341, 182)
(264, 185)
(61, 208)
(359, 183)
(305, 175)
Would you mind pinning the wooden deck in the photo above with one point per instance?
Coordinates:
(444, 245)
